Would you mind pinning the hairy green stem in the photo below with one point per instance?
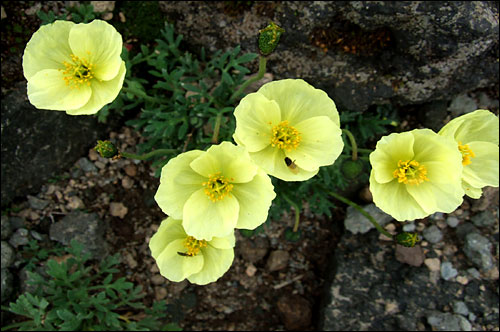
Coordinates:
(297, 212)
(354, 146)
(362, 211)
(215, 136)
(260, 74)
(147, 155)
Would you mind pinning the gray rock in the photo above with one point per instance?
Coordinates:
(483, 219)
(86, 165)
(86, 228)
(37, 203)
(473, 272)
(17, 222)
(433, 234)
(19, 238)
(459, 307)
(462, 104)
(452, 221)
(478, 249)
(39, 144)
(8, 255)
(464, 229)
(6, 229)
(447, 271)
(409, 227)
(429, 51)
(448, 322)
(355, 222)
(6, 284)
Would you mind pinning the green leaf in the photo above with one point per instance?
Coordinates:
(246, 58)
(182, 130)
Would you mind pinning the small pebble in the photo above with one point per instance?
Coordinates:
(250, 270)
(433, 263)
(447, 271)
(433, 234)
(131, 170)
(118, 210)
(452, 221)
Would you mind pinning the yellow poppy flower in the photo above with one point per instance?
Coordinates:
(75, 68)
(415, 174)
(477, 136)
(215, 191)
(180, 256)
(289, 128)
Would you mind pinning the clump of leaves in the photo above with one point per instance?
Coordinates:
(186, 101)
(74, 297)
(79, 14)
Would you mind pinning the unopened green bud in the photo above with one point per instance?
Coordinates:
(107, 149)
(407, 239)
(269, 38)
(352, 169)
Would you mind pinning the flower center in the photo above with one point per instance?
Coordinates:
(193, 245)
(77, 72)
(410, 172)
(217, 187)
(466, 153)
(285, 136)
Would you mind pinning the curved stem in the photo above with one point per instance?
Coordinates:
(353, 144)
(147, 155)
(297, 212)
(215, 136)
(260, 74)
(362, 211)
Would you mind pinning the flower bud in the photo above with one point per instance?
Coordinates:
(107, 149)
(269, 38)
(407, 239)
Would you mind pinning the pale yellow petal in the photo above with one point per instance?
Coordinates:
(320, 144)
(48, 48)
(388, 152)
(231, 161)
(393, 198)
(103, 92)
(48, 90)
(272, 161)
(177, 183)
(298, 100)
(483, 169)
(205, 219)
(255, 198)
(170, 230)
(255, 117)
(216, 263)
(99, 43)
(176, 267)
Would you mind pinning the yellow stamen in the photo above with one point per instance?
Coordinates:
(217, 187)
(466, 153)
(410, 172)
(285, 136)
(78, 72)
(193, 245)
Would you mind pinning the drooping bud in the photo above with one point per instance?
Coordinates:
(407, 239)
(269, 38)
(107, 149)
